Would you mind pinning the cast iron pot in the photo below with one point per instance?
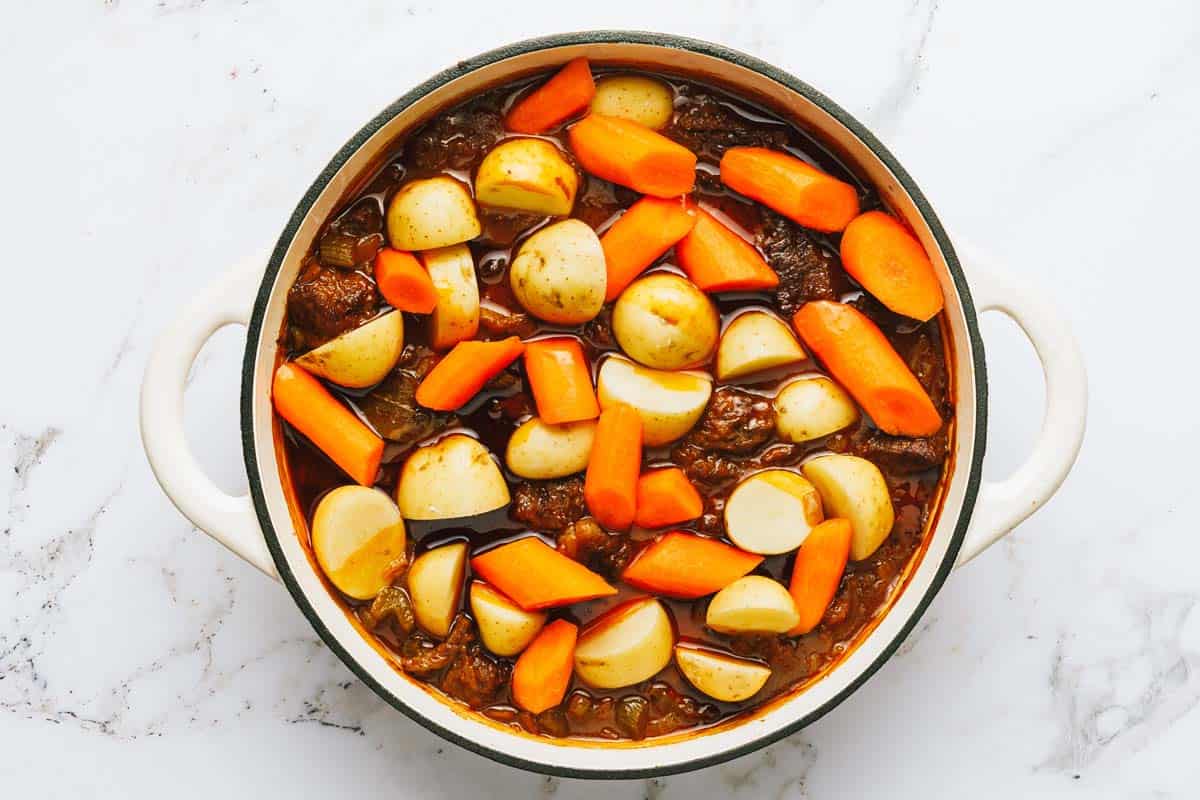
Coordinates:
(261, 529)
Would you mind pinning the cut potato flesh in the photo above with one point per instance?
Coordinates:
(455, 318)
(429, 213)
(540, 451)
(435, 582)
(772, 512)
(669, 403)
(854, 489)
(643, 100)
(559, 274)
(753, 342)
(361, 357)
(665, 322)
(454, 477)
(811, 408)
(628, 645)
(721, 676)
(753, 604)
(504, 627)
(527, 175)
(358, 539)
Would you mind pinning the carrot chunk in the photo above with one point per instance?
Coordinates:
(820, 562)
(462, 373)
(610, 486)
(561, 381)
(563, 96)
(632, 155)
(794, 188)
(535, 576)
(543, 672)
(643, 233)
(403, 282)
(718, 260)
(666, 497)
(866, 364)
(311, 409)
(687, 566)
(891, 264)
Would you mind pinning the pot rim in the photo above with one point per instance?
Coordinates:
(660, 40)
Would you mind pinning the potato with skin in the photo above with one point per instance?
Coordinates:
(432, 212)
(753, 604)
(663, 321)
(772, 512)
(721, 676)
(504, 627)
(559, 274)
(753, 342)
(669, 403)
(854, 489)
(528, 175)
(455, 318)
(643, 100)
(361, 357)
(435, 582)
(454, 477)
(810, 408)
(358, 539)
(539, 451)
(627, 645)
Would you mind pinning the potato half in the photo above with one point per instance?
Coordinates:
(559, 273)
(753, 342)
(644, 100)
(721, 676)
(358, 539)
(854, 489)
(454, 477)
(505, 628)
(455, 318)
(527, 175)
(627, 645)
(432, 212)
(540, 451)
(361, 357)
(435, 582)
(753, 604)
(772, 512)
(669, 403)
(664, 321)
(811, 408)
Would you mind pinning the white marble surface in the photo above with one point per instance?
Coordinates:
(149, 144)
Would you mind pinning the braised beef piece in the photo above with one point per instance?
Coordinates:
(391, 603)
(392, 408)
(420, 655)
(806, 270)
(671, 710)
(549, 505)
(598, 331)
(355, 237)
(501, 229)
(888, 321)
(902, 455)
(708, 128)
(735, 421)
(475, 677)
(325, 302)
(927, 361)
(501, 324)
(458, 139)
(600, 199)
(588, 543)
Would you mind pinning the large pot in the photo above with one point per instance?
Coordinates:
(262, 529)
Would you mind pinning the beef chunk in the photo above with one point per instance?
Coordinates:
(392, 408)
(474, 677)
(588, 543)
(888, 321)
(600, 199)
(325, 302)
(549, 505)
(806, 271)
(598, 331)
(458, 139)
(500, 324)
(355, 237)
(422, 656)
(735, 421)
(391, 603)
(708, 128)
(900, 455)
(928, 362)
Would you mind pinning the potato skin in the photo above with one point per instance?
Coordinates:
(811, 408)
(559, 274)
(643, 100)
(539, 451)
(854, 489)
(454, 477)
(357, 537)
(753, 342)
(361, 357)
(432, 212)
(456, 315)
(435, 582)
(669, 403)
(664, 321)
(527, 175)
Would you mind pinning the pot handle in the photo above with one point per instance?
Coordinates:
(228, 519)
(1002, 505)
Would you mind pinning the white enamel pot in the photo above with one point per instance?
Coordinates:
(261, 529)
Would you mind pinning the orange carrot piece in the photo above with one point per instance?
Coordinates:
(543, 672)
(632, 155)
(557, 100)
(865, 363)
(891, 264)
(687, 566)
(535, 576)
(561, 380)
(666, 497)
(610, 486)
(718, 260)
(311, 409)
(794, 188)
(643, 233)
(462, 373)
(820, 562)
(403, 282)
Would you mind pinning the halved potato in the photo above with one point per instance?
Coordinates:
(854, 489)
(811, 408)
(627, 645)
(753, 342)
(527, 175)
(721, 676)
(435, 582)
(432, 212)
(559, 273)
(455, 318)
(664, 321)
(505, 628)
(454, 477)
(644, 100)
(358, 539)
(772, 512)
(753, 604)
(361, 357)
(669, 403)
(540, 451)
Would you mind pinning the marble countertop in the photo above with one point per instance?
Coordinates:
(153, 143)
